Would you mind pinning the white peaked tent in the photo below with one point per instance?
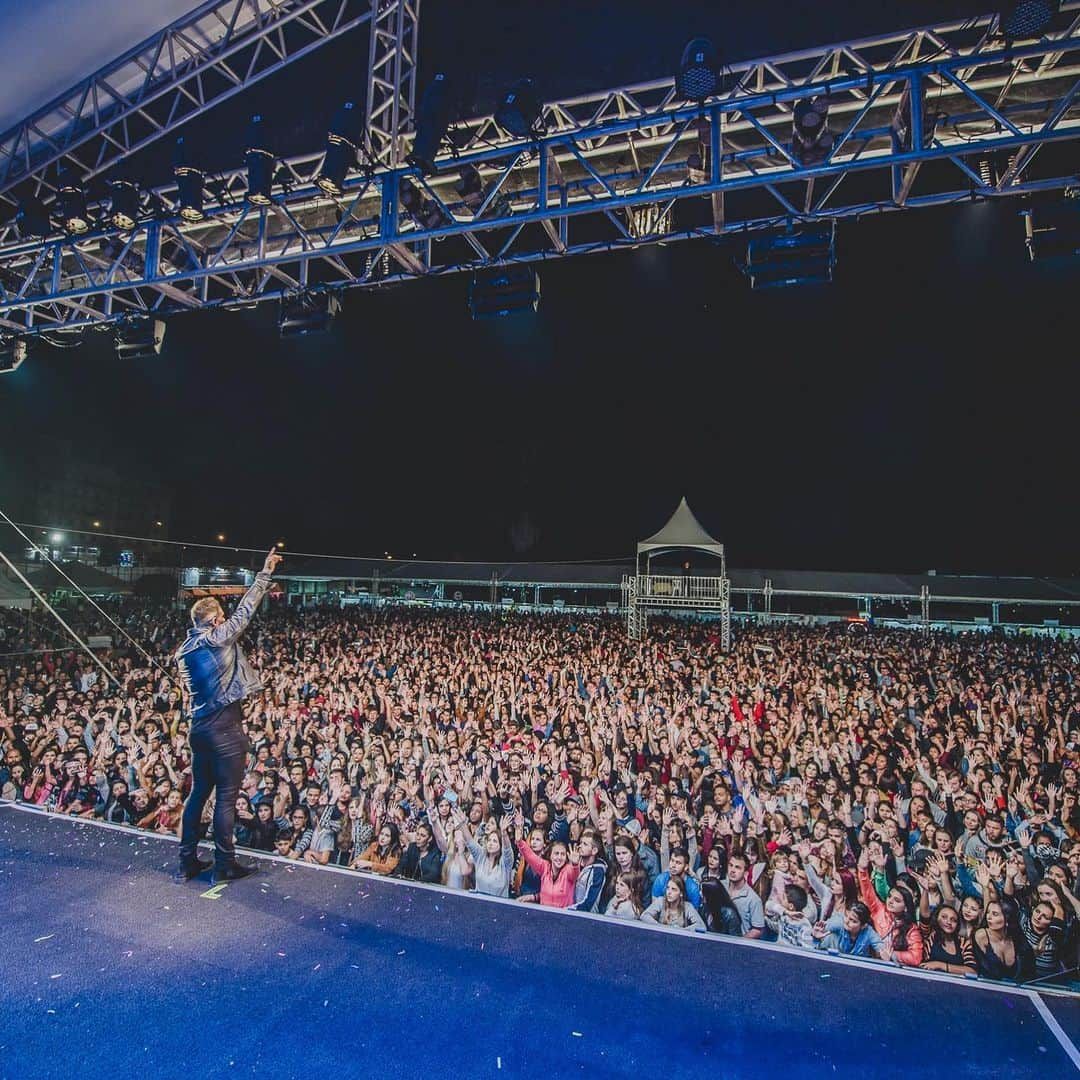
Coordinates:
(682, 532)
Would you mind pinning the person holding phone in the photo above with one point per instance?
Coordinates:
(217, 677)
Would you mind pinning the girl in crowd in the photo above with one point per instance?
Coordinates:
(1001, 950)
(493, 863)
(943, 948)
(384, 853)
(625, 902)
(673, 909)
(557, 873)
(893, 919)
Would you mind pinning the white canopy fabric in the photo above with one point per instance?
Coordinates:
(50, 45)
(13, 594)
(683, 530)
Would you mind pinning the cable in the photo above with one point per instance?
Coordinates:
(86, 595)
(314, 554)
(52, 611)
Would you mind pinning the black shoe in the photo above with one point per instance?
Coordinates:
(192, 868)
(233, 872)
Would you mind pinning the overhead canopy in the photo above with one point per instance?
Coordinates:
(51, 45)
(13, 594)
(88, 578)
(683, 530)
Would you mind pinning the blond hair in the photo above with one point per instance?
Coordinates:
(203, 610)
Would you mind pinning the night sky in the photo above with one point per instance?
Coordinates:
(920, 412)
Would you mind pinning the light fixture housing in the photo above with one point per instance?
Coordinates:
(260, 161)
(699, 71)
(811, 139)
(340, 151)
(139, 338)
(189, 185)
(71, 206)
(507, 290)
(1027, 18)
(432, 121)
(33, 218)
(519, 112)
(123, 204)
(13, 351)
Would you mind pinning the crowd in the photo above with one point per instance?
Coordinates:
(891, 794)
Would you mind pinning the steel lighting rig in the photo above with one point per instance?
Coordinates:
(910, 115)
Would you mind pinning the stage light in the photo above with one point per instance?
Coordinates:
(189, 185)
(432, 121)
(802, 256)
(307, 313)
(139, 338)
(426, 213)
(811, 139)
(1027, 18)
(260, 164)
(519, 113)
(32, 217)
(508, 290)
(699, 71)
(71, 206)
(340, 151)
(13, 352)
(123, 204)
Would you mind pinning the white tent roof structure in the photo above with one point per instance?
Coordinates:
(14, 595)
(683, 530)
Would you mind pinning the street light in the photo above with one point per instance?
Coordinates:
(97, 524)
(221, 538)
(57, 538)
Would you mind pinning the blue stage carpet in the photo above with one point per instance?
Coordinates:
(110, 969)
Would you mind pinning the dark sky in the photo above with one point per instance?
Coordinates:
(920, 412)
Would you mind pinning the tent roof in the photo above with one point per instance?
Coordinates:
(90, 578)
(683, 530)
(53, 44)
(13, 593)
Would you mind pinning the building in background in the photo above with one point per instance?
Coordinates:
(71, 495)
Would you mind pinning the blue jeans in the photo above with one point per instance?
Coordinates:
(219, 749)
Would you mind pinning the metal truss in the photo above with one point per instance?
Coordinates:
(391, 86)
(924, 117)
(218, 50)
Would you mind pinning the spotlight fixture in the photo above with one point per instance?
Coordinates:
(123, 204)
(340, 151)
(426, 213)
(699, 71)
(1027, 18)
(189, 184)
(139, 338)
(518, 112)
(432, 121)
(509, 290)
(260, 164)
(796, 256)
(811, 139)
(12, 353)
(473, 194)
(32, 217)
(307, 313)
(71, 206)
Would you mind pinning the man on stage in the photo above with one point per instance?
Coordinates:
(217, 677)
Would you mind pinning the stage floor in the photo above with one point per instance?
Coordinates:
(111, 969)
